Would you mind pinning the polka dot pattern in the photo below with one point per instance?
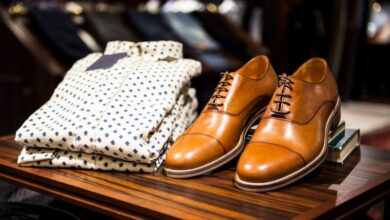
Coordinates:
(131, 112)
(69, 159)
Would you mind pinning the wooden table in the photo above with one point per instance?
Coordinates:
(329, 192)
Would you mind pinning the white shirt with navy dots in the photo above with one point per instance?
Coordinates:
(120, 118)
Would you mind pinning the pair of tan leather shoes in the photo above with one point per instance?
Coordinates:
(297, 114)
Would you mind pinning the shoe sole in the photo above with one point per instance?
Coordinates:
(215, 164)
(286, 180)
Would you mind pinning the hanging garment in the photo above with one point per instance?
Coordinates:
(60, 32)
(191, 31)
(119, 110)
(150, 26)
(225, 35)
(107, 26)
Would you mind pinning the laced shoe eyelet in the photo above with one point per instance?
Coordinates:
(222, 87)
(286, 84)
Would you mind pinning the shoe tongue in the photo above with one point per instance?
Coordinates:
(254, 68)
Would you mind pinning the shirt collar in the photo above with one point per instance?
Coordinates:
(152, 50)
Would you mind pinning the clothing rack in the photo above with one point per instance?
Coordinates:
(42, 68)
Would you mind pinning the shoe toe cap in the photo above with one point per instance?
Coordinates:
(263, 162)
(192, 151)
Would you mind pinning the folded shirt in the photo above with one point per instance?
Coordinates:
(182, 115)
(131, 110)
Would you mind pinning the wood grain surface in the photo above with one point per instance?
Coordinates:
(331, 191)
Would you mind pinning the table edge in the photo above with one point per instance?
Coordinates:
(350, 202)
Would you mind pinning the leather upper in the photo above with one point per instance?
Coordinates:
(291, 132)
(218, 128)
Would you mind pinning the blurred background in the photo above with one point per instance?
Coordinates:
(41, 39)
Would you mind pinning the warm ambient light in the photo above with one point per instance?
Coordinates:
(18, 9)
(73, 8)
(211, 7)
(376, 7)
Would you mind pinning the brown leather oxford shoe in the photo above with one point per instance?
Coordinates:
(217, 135)
(292, 136)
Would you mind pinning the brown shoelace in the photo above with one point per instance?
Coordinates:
(286, 83)
(222, 87)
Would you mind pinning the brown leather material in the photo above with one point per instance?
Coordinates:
(223, 126)
(292, 130)
(218, 128)
(187, 157)
(261, 166)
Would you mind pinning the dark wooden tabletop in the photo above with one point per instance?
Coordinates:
(330, 191)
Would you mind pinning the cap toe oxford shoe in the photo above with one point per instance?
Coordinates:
(292, 136)
(217, 135)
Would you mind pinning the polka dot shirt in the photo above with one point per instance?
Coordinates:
(123, 117)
